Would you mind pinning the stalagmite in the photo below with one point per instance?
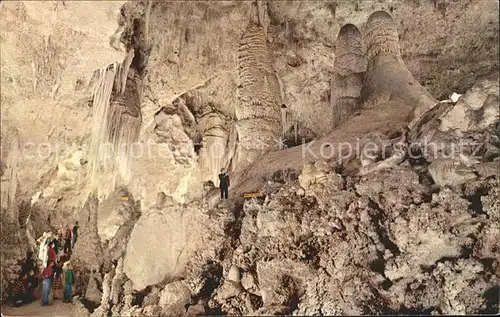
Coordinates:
(387, 78)
(257, 113)
(389, 93)
(349, 68)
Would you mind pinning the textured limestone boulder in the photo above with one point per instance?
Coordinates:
(152, 310)
(173, 298)
(162, 242)
(460, 289)
(317, 174)
(116, 211)
(450, 172)
(476, 110)
(229, 289)
(281, 280)
(69, 169)
(465, 131)
(92, 292)
(169, 130)
(249, 283)
(422, 242)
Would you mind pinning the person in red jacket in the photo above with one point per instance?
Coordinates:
(52, 253)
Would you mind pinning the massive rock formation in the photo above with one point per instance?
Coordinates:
(384, 58)
(257, 112)
(138, 127)
(350, 67)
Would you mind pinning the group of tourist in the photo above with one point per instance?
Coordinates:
(57, 277)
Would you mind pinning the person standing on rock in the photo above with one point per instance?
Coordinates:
(75, 233)
(223, 184)
(46, 282)
(68, 234)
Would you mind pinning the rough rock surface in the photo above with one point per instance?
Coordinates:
(159, 249)
(170, 93)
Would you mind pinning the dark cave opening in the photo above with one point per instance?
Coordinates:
(140, 295)
(491, 295)
(476, 205)
(89, 305)
(233, 229)
(212, 274)
(414, 311)
(136, 41)
(489, 264)
(384, 238)
(378, 266)
(198, 143)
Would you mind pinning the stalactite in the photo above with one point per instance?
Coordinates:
(146, 22)
(116, 124)
(284, 124)
(123, 70)
(123, 131)
(102, 95)
(262, 15)
(232, 143)
(295, 132)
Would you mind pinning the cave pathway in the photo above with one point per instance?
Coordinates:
(58, 308)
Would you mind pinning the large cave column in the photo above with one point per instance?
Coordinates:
(258, 110)
(387, 77)
(349, 70)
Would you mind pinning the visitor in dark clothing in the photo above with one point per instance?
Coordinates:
(57, 244)
(57, 283)
(29, 267)
(75, 233)
(30, 270)
(223, 184)
(67, 240)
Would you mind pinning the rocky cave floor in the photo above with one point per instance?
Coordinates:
(414, 237)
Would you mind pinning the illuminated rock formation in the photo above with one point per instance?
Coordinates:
(349, 69)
